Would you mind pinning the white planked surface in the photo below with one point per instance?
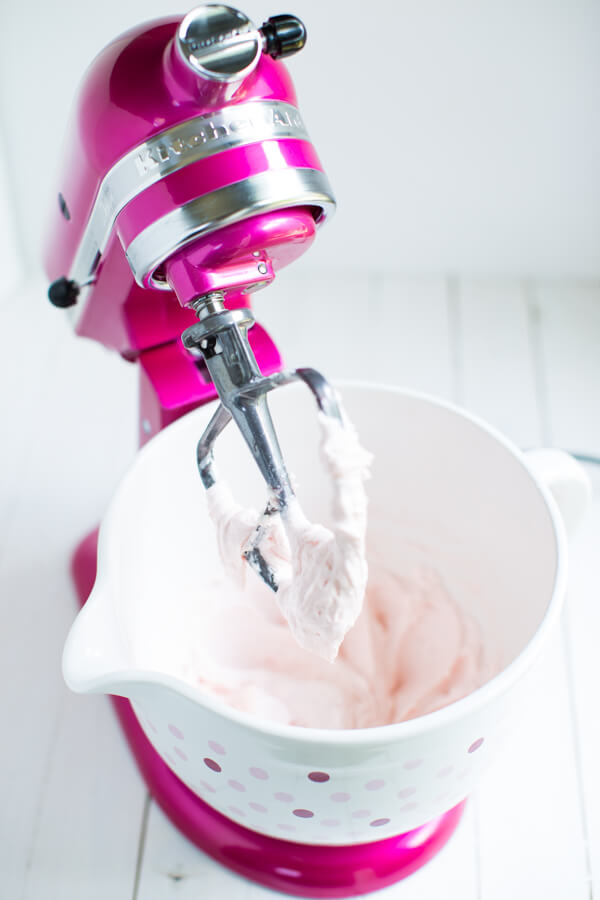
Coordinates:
(74, 820)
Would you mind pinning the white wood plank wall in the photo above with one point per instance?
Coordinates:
(75, 820)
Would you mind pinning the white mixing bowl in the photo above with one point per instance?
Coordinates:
(446, 489)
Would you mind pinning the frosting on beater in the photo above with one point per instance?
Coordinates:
(321, 572)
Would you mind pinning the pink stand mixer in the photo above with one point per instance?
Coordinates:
(190, 181)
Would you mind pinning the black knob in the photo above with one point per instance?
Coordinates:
(283, 35)
(63, 293)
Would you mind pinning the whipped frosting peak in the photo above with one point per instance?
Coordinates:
(321, 572)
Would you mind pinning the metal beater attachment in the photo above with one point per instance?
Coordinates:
(221, 336)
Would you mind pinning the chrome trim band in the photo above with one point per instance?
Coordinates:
(274, 189)
(232, 126)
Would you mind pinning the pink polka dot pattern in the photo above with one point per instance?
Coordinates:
(375, 785)
(407, 792)
(326, 810)
(217, 748)
(152, 726)
(236, 785)
(208, 787)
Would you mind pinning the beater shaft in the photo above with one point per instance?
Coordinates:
(221, 335)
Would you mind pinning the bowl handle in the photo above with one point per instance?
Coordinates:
(567, 481)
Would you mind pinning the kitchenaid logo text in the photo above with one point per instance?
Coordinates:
(213, 39)
(251, 125)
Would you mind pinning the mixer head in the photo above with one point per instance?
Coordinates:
(182, 130)
(191, 178)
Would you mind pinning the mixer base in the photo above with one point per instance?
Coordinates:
(299, 869)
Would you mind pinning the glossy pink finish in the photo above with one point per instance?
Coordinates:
(127, 97)
(298, 869)
(188, 280)
(240, 257)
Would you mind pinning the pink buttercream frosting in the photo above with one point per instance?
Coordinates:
(411, 651)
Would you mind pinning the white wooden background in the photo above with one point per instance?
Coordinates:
(75, 819)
